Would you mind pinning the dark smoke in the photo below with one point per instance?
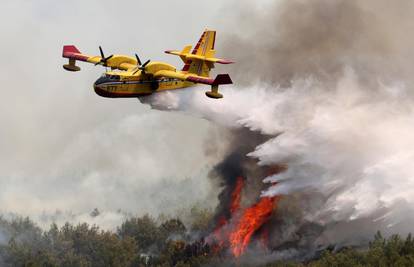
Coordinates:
(331, 82)
(236, 164)
(294, 39)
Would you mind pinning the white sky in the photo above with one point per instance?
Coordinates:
(64, 148)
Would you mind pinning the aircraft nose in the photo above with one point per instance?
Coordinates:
(101, 80)
(98, 83)
(98, 86)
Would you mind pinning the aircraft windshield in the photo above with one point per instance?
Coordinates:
(112, 77)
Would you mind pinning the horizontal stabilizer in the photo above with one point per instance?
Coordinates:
(220, 79)
(188, 56)
(208, 59)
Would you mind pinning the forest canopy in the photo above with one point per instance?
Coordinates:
(145, 241)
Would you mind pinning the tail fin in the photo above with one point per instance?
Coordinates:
(204, 46)
(70, 49)
(73, 54)
(201, 60)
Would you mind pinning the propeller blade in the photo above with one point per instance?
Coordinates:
(102, 53)
(135, 71)
(146, 63)
(107, 58)
(138, 60)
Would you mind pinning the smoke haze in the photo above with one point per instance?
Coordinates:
(288, 40)
(332, 82)
(344, 108)
(65, 151)
(329, 81)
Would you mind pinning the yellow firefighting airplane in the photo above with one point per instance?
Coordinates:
(129, 78)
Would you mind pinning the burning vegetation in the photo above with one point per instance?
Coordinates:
(243, 217)
(235, 233)
(246, 229)
(252, 219)
(144, 241)
(324, 64)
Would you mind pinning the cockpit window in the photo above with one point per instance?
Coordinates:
(113, 77)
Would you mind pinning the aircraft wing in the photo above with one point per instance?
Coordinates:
(114, 61)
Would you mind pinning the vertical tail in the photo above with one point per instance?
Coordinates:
(205, 49)
(200, 60)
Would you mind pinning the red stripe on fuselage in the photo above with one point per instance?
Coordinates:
(104, 93)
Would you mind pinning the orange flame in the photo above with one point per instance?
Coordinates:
(238, 233)
(236, 195)
(217, 234)
(234, 206)
(252, 219)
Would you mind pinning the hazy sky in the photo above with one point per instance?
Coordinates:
(64, 148)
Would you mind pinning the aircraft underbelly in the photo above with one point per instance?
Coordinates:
(137, 89)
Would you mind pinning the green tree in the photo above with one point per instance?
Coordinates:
(200, 219)
(143, 229)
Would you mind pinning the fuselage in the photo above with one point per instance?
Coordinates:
(121, 84)
(129, 77)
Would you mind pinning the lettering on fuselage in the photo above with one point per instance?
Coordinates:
(111, 87)
(163, 81)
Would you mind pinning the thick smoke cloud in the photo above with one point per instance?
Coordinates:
(332, 82)
(286, 40)
(343, 108)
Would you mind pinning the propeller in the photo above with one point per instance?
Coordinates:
(138, 60)
(104, 59)
(139, 66)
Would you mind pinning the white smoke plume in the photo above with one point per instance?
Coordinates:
(331, 80)
(335, 91)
